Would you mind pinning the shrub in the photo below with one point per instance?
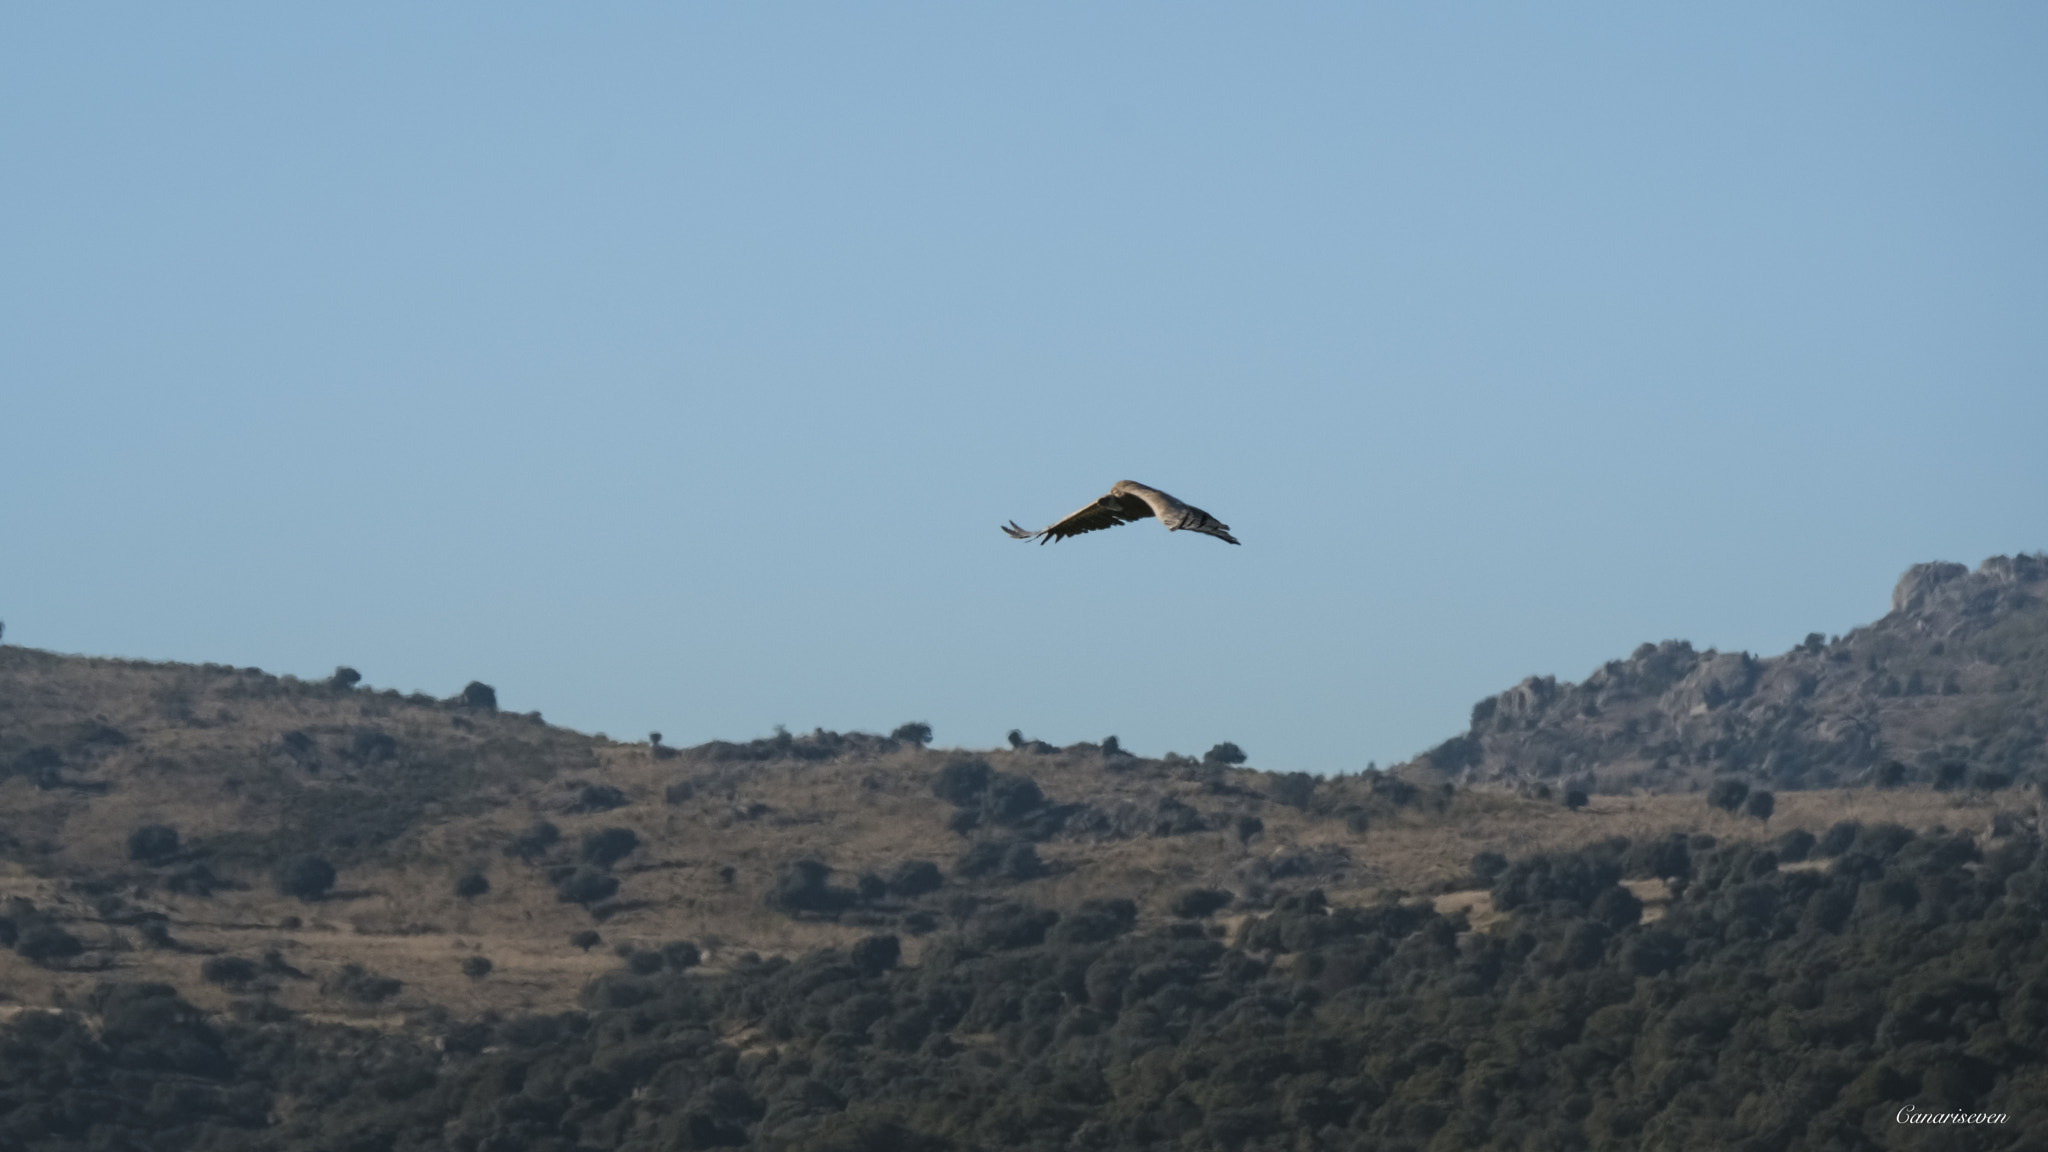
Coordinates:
(476, 967)
(916, 732)
(42, 943)
(534, 841)
(1008, 859)
(586, 886)
(680, 792)
(1795, 845)
(361, 985)
(1196, 903)
(609, 846)
(802, 887)
(227, 970)
(1760, 805)
(1248, 827)
(1727, 795)
(585, 940)
(876, 954)
(1574, 799)
(1225, 753)
(309, 878)
(472, 885)
(600, 798)
(1096, 921)
(1294, 789)
(196, 880)
(477, 694)
(914, 878)
(1010, 797)
(1838, 839)
(153, 843)
(344, 678)
(1489, 865)
(372, 747)
(961, 782)
(681, 954)
(1175, 817)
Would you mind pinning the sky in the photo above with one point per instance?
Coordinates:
(671, 367)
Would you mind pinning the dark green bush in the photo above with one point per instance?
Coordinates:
(309, 878)
(232, 970)
(1196, 903)
(1727, 794)
(153, 843)
(914, 878)
(604, 848)
(586, 886)
(1225, 753)
(1294, 789)
(1760, 804)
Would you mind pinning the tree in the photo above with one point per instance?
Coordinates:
(916, 732)
(344, 678)
(585, 940)
(153, 843)
(472, 885)
(477, 694)
(1761, 804)
(1225, 753)
(1574, 799)
(1727, 795)
(307, 877)
(476, 967)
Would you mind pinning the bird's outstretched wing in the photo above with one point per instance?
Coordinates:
(1179, 517)
(1107, 512)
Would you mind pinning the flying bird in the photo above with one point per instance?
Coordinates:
(1127, 501)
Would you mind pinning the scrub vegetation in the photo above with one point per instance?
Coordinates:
(244, 911)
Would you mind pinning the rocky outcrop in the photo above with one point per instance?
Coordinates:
(1951, 686)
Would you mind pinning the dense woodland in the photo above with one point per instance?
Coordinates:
(1771, 1007)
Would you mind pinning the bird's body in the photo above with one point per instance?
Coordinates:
(1127, 501)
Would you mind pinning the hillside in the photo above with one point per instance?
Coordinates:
(405, 797)
(1949, 689)
(243, 910)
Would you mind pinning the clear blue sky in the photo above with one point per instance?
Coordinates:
(672, 366)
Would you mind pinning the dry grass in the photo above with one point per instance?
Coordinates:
(203, 755)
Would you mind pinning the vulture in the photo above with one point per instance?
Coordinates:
(1128, 500)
